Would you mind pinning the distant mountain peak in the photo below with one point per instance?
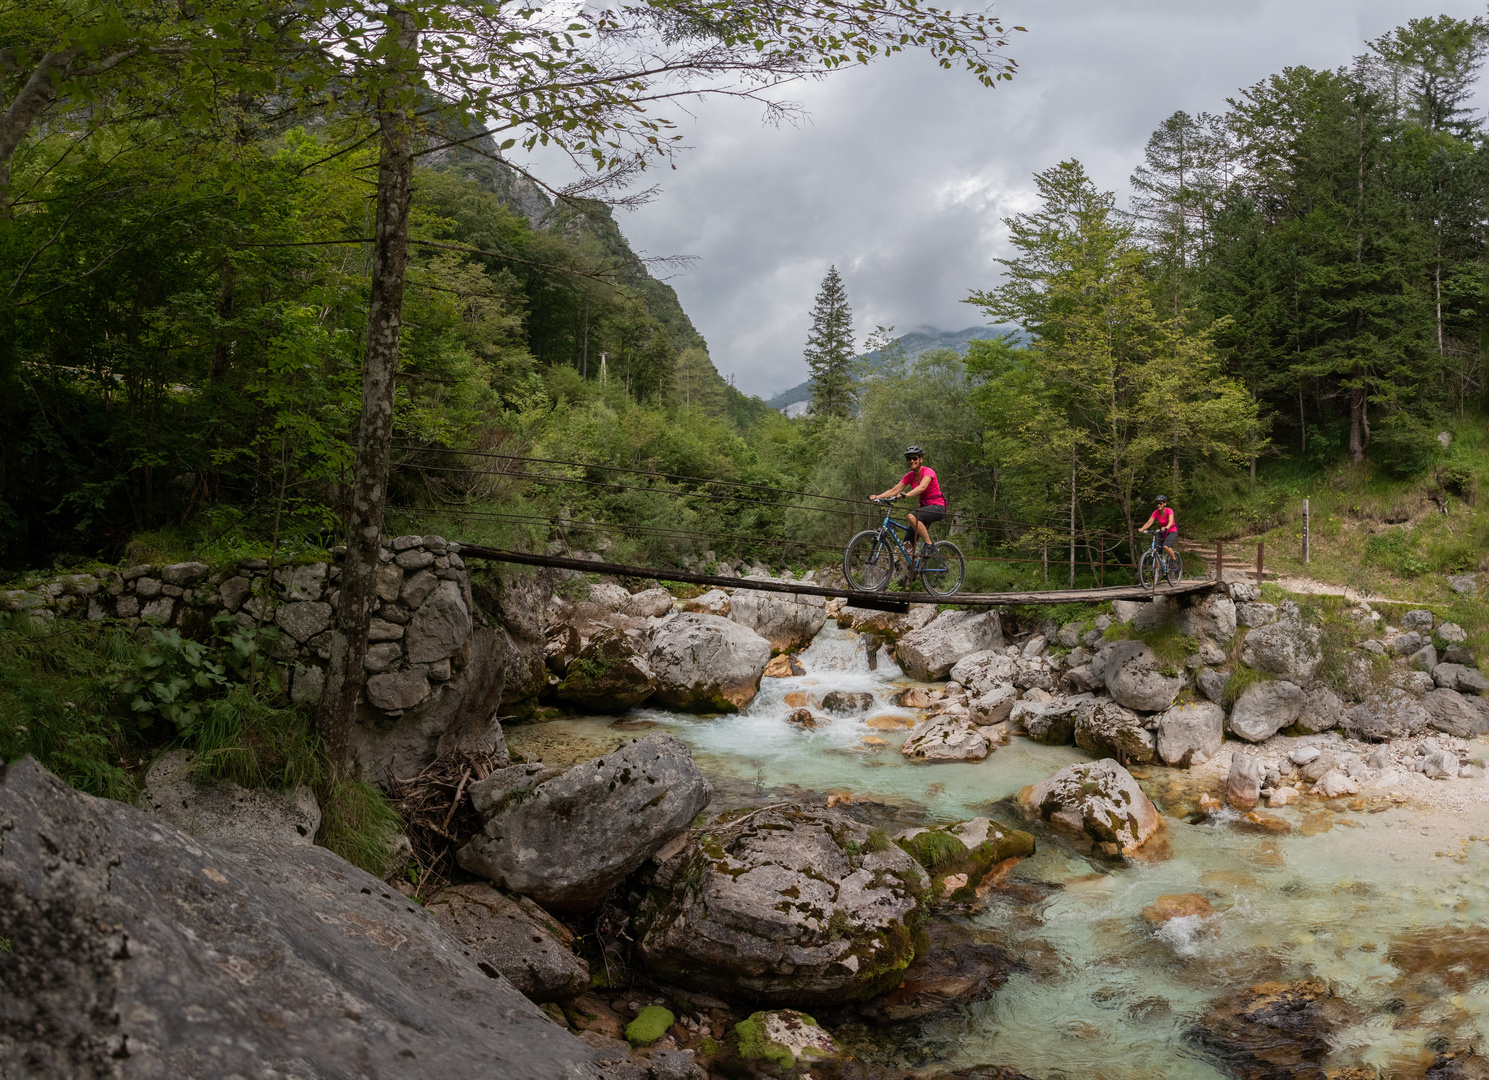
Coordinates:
(920, 339)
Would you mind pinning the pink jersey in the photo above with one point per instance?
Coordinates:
(1163, 517)
(931, 496)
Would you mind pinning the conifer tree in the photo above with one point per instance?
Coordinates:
(829, 352)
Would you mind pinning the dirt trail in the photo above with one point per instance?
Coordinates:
(1321, 588)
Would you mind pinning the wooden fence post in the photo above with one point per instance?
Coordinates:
(1219, 560)
(1260, 548)
(1101, 566)
(1305, 532)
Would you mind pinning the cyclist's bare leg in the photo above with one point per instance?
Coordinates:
(920, 529)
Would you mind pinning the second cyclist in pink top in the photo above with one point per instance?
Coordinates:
(921, 480)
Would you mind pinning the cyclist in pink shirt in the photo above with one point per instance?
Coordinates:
(921, 480)
(1163, 519)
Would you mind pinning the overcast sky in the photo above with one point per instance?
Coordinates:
(903, 171)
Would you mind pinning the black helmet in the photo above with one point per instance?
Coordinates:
(1161, 498)
(914, 451)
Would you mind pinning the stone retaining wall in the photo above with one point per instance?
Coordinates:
(415, 642)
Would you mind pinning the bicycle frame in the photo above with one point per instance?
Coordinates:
(887, 527)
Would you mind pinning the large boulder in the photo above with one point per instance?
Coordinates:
(791, 904)
(1460, 677)
(704, 663)
(786, 620)
(1098, 801)
(979, 672)
(1047, 722)
(993, 705)
(608, 675)
(567, 838)
(224, 810)
(1322, 709)
(1190, 734)
(1388, 714)
(1212, 618)
(135, 950)
(1265, 708)
(1286, 648)
(932, 651)
(515, 938)
(1131, 673)
(1455, 714)
(946, 738)
(1107, 729)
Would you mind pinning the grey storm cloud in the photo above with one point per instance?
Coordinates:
(902, 172)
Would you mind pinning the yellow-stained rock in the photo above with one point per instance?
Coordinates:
(1176, 906)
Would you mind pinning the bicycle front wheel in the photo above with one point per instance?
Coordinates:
(1174, 568)
(943, 569)
(1147, 571)
(868, 561)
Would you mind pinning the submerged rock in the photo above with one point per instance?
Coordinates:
(1273, 1030)
(704, 663)
(1098, 800)
(794, 904)
(1176, 906)
(958, 966)
(137, 951)
(568, 837)
(520, 943)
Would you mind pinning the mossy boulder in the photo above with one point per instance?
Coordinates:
(958, 857)
(1096, 803)
(608, 675)
(782, 1038)
(791, 905)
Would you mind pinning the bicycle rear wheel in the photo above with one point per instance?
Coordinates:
(943, 569)
(1174, 568)
(1147, 571)
(868, 561)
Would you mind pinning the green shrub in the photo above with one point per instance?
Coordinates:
(1404, 445)
(1397, 552)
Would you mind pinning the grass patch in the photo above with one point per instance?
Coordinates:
(358, 824)
(935, 850)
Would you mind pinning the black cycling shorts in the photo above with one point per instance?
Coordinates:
(1166, 539)
(929, 515)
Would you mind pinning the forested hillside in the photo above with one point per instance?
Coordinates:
(1295, 298)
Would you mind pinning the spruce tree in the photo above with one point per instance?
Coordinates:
(829, 352)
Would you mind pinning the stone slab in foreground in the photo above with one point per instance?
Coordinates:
(139, 951)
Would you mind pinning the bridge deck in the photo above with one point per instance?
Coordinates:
(892, 601)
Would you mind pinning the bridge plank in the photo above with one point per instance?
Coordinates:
(878, 599)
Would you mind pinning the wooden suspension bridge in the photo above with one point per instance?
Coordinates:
(881, 601)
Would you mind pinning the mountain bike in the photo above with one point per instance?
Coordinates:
(870, 559)
(1156, 563)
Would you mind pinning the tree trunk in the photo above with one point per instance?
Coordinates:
(1359, 426)
(369, 487)
(1072, 518)
(28, 104)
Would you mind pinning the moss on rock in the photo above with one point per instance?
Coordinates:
(651, 1024)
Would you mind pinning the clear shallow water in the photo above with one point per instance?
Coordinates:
(1388, 909)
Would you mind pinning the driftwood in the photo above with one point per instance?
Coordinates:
(437, 812)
